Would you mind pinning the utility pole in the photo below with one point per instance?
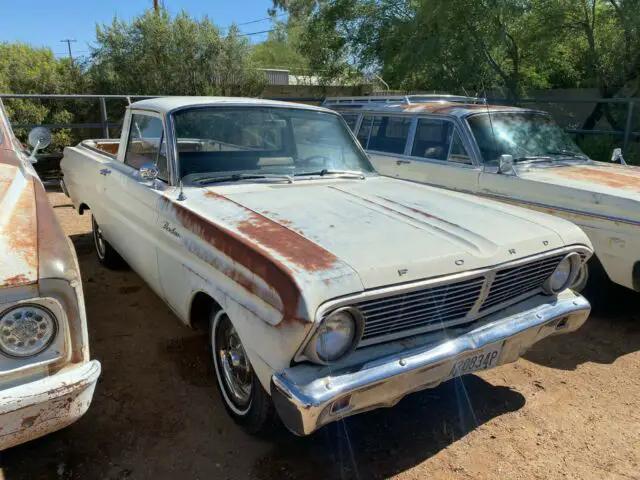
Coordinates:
(69, 41)
(156, 5)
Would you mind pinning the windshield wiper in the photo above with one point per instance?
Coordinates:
(330, 171)
(235, 177)
(531, 158)
(566, 153)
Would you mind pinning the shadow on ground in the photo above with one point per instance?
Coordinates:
(604, 337)
(385, 442)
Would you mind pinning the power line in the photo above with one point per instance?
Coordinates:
(253, 21)
(256, 33)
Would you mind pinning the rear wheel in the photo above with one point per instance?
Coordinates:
(105, 252)
(243, 396)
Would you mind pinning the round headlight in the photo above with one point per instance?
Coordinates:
(564, 274)
(26, 330)
(336, 336)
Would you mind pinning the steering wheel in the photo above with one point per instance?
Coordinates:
(309, 161)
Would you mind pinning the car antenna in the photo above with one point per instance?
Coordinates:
(493, 133)
(181, 195)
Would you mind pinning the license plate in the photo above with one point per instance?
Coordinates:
(482, 360)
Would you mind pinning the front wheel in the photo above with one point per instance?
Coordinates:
(243, 396)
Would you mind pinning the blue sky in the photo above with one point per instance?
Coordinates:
(46, 22)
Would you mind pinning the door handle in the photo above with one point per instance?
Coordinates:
(105, 172)
(402, 162)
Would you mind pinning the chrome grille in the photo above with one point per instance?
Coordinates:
(444, 306)
(432, 306)
(513, 282)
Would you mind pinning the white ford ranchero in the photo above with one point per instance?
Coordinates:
(327, 289)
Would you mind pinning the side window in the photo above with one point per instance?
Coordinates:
(365, 130)
(351, 119)
(390, 135)
(433, 138)
(147, 144)
(458, 153)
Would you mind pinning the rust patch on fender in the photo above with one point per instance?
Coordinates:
(241, 251)
(18, 232)
(602, 176)
(281, 238)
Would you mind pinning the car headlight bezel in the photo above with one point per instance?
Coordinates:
(574, 261)
(42, 325)
(311, 350)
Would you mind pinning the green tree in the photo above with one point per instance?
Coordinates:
(25, 69)
(157, 54)
(279, 49)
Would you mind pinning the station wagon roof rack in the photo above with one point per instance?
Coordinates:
(397, 99)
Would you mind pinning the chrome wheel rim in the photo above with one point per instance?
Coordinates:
(98, 239)
(232, 365)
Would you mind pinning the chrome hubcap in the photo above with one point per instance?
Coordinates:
(234, 365)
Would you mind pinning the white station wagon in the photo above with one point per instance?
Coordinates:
(515, 155)
(328, 290)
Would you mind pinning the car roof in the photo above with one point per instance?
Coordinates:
(169, 104)
(438, 108)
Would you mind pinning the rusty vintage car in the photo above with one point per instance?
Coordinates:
(327, 290)
(514, 155)
(46, 376)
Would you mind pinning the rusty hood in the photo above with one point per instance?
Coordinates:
(18, 228)
(385, 231)
(32, 243)
(592, 187)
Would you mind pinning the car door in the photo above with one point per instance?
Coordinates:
(132, 201)
(439, 155)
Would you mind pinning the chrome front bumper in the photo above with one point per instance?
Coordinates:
(306, 401)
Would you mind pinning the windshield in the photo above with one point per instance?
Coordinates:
(525, 135)
(249, 142)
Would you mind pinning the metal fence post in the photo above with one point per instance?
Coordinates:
(627, 128)
(103, 117)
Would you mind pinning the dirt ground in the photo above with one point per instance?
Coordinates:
(569, 410)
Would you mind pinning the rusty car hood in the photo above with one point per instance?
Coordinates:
(592, 187)
(18, 228)
(385, 231)
(32, 243)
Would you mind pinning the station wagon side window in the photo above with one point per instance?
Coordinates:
(147, 144)
(387, 134)
(458, 152)
(437, 139)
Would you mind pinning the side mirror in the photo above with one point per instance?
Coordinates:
(149, 171)
(39, 138)
(616, 156)
(505, 165)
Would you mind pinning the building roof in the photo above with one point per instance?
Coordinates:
(168, 104)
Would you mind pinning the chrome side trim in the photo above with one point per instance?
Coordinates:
(503, 198)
